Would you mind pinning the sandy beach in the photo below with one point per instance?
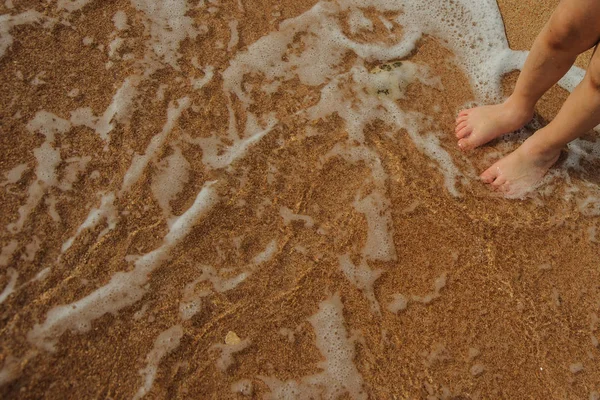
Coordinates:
(231, 199)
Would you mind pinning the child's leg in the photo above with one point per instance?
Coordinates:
(572, 29)
(516, 173)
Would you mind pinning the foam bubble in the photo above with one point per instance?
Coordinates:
(359, 22)
(267, 254)
(12, 275)
(10, 370)
(362, 277)
(120, 20)
(72, 5)
(216, 158)
(340, 375)
(575, 368)
(124, 288)
(106, 211)
(164, 344)
(15, 174)
(140, 162)
(243, 387)
(199, 83)
(170, 179)
(31, 249)
(438, 284)
(399, 303)
(7, 22)
(380, 228)
(118, 110)
(168, 26)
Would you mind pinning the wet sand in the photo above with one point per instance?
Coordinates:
(494, 298)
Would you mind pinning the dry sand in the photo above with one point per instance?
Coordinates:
(517, 314)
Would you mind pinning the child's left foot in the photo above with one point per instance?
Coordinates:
(520, 171)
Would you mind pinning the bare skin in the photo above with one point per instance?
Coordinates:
(477, 126)
(572, 29)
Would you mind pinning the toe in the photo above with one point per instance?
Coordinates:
(464, 112)
(460, 126)
(506, 189)
(465, 143)
(463, 133)
(489, 175)
(500, 183)
(462, 118)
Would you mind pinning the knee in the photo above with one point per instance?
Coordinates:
(561, 34)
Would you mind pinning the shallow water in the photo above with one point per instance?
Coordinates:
(228, 199)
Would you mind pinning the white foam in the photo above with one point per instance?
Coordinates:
(380, 227)
(398, 303)
(438, 284)
(120, 20)
(243, 387)
(31, 249)
(199, 83)
(7, 22)
(164, 344)
(234, 36)
(170, 179)
(48, 158)
(14, 175)
(213, 156)
(290, 334)
(219, 283)
(140, 162)
(119, 110)
(363, 277)
(359, 22)
(267, 254)
(392, 82)
(191, 301)
(7, 252)
(339, 375)
(289, 216)
(106, 210)
(75, 166)
(387, 23)
(576, 368)
(12, 275)
(72, 5)
(114, 46)
(124, 288)
(10, 370)
(168, 25)
(43, 274)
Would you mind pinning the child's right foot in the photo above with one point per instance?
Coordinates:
(479, 125)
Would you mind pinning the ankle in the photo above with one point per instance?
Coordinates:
(520, 105)
(537, 146)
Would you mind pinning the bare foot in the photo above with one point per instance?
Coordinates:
(520, 171)
(479, 125)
